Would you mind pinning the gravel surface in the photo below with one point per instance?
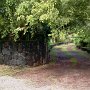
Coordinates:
(59, 76)
(10, 83)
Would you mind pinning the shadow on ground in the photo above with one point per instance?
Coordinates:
(71, 69)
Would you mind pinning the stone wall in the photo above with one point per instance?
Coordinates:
(10, 56)
(34, 54)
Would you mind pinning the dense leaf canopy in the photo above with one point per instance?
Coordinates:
(54, 16)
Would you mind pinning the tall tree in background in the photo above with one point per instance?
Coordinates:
(44, 17)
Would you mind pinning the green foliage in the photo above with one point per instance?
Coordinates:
(61, 18)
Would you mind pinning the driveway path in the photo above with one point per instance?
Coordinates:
(74, 75)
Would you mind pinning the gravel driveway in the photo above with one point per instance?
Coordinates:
(51, 77)
(10, 83)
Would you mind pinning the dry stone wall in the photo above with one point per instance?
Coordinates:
(32, 54)
(10, 57)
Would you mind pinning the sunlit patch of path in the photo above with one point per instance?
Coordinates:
(80, 55)
(10, 83)
(52, 76)
(57, 76)
(69, 52)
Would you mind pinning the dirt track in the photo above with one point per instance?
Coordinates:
(70, 71)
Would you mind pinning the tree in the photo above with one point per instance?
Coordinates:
(39, 19)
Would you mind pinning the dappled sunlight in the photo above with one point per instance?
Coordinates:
(44, 44)
(54, 74)
(66, 73)
(69, 51)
